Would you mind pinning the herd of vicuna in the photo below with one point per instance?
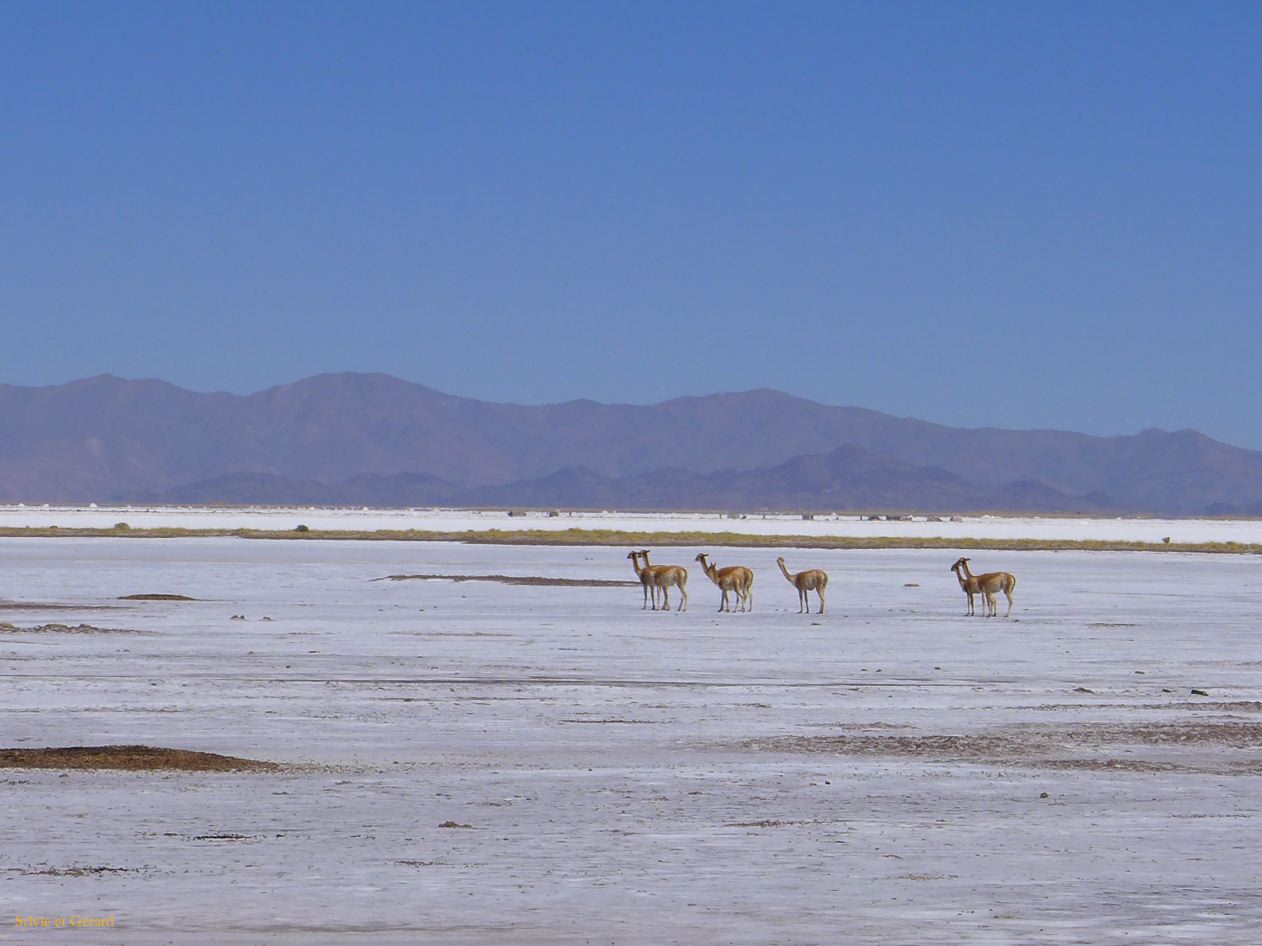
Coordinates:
(738, 580)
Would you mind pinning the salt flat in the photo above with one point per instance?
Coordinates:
(890, 772)
(483, 520)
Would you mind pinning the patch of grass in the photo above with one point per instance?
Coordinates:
(627, 539)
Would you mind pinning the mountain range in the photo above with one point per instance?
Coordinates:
(372, 439)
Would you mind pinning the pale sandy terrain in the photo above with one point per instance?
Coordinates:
(457, 520)
(890, 772)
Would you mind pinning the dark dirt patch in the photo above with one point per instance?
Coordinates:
(927, 876)
(1235, 706)
(466, 634)
(129, 758)
(1144, 747)
(79, 871)
(63, 629)
(535, 580)
(765, 823)
(454, 824)
(1216, 706)
(1149, 766)
(156, 597)
(612, 722)
(53, 606)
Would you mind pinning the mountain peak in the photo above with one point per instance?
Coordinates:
(108, 437)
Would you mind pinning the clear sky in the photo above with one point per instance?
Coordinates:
(1013, 214)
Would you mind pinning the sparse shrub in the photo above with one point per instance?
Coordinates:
(302, 528)
(122, 526)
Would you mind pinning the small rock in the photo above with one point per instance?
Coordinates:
(1196, 692)
(1044, 795)
(1082, 690)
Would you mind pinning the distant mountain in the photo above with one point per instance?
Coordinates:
(369, 439)
(848, 478)
(367, 489)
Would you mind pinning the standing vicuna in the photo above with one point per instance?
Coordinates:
(810, 580)
(662, 578)
(736, 578)
(642, 573)
(968, 585)
(985, 585)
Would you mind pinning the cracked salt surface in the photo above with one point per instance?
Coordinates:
(872, 775)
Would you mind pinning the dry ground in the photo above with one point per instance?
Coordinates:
(482, 762)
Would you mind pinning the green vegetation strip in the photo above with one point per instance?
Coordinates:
(613, 537)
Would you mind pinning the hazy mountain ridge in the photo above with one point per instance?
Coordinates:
(848, 478)
(369, 439)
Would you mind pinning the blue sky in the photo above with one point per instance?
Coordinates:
(1013, 214)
